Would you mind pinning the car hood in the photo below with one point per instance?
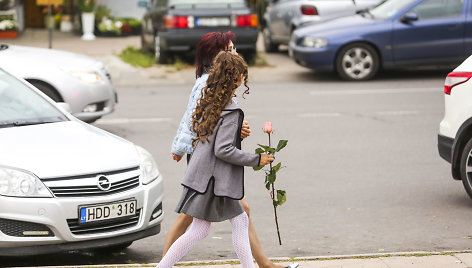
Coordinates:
(21, 55)
(337, 26)
(65, 149)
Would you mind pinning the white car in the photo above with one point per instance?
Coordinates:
(67, 185)
(455, 130)
(81, 81)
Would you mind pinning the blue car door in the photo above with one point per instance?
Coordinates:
(433, 32)
(468, 31)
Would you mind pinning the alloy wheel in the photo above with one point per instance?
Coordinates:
(357, 63)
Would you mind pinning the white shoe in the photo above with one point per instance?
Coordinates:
(293, 265)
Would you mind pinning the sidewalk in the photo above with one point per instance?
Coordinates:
(107, 49)
(457, 259)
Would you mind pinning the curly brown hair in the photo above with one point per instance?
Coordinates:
(223, 79)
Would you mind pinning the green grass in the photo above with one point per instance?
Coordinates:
(136, 57)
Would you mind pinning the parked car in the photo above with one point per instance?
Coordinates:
(282, 17)
(67, 185)
(175, 26)
(395, 34)
(455, 130)
(82, 82)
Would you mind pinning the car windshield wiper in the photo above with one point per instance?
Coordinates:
(3, 47)
(21, 123)
(364, 11)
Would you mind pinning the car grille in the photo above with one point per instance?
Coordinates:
(88, 185)
(107, 73)
(103, 227)
(24, 229)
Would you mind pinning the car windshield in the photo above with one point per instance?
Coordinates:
(201, 4)
(388, 9)
(20, 105)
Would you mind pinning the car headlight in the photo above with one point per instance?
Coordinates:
(88, 77)
(18, 183)
(316, 42)
(149, 170)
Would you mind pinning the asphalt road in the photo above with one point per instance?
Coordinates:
(362, 174)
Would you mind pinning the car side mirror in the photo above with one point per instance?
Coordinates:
(64, 106)
(409, 17)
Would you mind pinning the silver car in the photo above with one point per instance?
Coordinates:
(81, 81)
(282, 17)
(67, 185)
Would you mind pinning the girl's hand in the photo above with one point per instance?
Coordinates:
(176, 157)
(245, 130)
(266, 159)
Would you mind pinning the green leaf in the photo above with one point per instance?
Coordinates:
(281, 197)
(265, 147)
(275, 203)
(271, 177)
(276, 167)
(267, 185)
(281, 145)
(271, 151)
(260, 151)
(257, 168)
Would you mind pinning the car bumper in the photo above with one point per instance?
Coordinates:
(187, 39)
(321, 59)
(445, 147)
(56, 215)
(82, 96)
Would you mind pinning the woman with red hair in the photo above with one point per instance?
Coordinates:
(208, 47)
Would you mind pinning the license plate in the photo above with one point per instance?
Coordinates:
(212, 21)
(100, 212)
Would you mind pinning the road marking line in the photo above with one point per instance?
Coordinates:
(375, 91)
(312, 115)
(397, 113)
(132, 120)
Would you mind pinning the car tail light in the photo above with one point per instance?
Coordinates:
(455, 78)
(247, 20)
(309, 10)
(176, 22)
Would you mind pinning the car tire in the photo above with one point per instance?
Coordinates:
(357, 62)
(161, 55)
(268, 44)
(114, 248)
(47, 89)
(466, 168)
(249, 56)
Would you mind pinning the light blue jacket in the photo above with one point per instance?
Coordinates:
(182, 143)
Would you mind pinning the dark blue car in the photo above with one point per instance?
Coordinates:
(394, 34)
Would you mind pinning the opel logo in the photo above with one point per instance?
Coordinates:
(103, 183)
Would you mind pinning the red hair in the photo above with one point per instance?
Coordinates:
(208, 47)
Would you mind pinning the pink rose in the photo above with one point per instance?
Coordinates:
(268, 127)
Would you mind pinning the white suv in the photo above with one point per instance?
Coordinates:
(455, 131)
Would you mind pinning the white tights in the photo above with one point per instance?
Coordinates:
(199, 230)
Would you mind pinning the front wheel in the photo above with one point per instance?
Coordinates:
(466, 167)
(161, 55)
(268, 44)
(357, 62)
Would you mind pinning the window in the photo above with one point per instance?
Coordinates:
(432, 9)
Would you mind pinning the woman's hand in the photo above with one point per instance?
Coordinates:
(266, 159)
(245, 130)
(176, 157)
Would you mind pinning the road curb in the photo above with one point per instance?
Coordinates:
(278, 259)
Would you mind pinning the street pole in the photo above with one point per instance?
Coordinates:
(49, 26)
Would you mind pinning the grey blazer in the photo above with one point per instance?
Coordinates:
(221, 159)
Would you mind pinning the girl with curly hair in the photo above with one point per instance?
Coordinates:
(214, 180)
